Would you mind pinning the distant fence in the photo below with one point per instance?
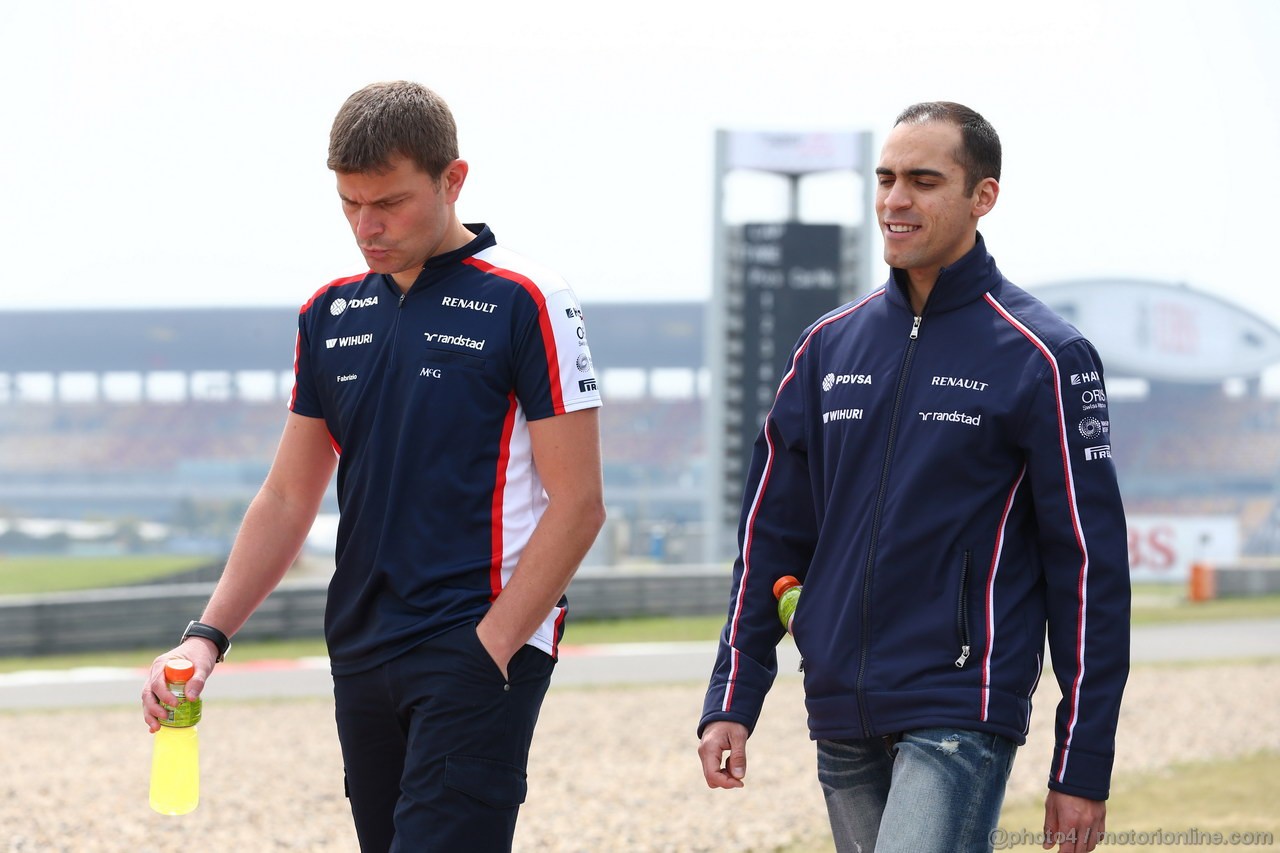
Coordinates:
(154, 616)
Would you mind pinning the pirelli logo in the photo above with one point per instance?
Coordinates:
(1102, 451)
(587, 384)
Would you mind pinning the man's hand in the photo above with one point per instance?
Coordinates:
(717, 738)
(202, 653)
(1073, 823)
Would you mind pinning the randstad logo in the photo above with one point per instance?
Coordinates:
(831, 380)
(339, 305)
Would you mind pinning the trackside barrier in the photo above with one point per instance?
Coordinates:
(154, 616)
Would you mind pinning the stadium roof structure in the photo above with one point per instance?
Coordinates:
(1142, 329)
(623, 335)
(1165, 332)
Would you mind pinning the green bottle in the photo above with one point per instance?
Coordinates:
(787, 590)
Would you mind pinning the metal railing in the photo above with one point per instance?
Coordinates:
(154, 616)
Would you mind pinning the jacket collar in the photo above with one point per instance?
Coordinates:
(959, 284)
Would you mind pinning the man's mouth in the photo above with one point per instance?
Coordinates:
(903, 229)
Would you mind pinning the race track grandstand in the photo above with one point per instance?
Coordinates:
(172, 415)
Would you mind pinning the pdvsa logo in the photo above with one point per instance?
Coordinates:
(339, 305)
(831, 380)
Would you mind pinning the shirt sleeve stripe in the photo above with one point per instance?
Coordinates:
(544, 325)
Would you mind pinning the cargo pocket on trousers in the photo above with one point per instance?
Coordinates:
(495, 783)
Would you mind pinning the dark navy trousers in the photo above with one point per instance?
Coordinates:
(435, 744)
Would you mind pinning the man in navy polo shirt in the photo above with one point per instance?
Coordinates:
(452, 389)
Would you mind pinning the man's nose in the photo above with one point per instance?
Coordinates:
(897, 198)
(368, 223)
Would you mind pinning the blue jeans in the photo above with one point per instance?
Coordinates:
(926, 790)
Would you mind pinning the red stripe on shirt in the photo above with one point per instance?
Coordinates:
(544, 323)
(499, 491)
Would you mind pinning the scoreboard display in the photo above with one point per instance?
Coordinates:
(781, 277)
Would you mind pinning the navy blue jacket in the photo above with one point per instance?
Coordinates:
(943, 487)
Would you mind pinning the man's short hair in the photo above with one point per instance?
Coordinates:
(383, 120)
(979, 153)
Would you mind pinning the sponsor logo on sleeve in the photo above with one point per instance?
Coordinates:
(573, 313)
(1094, 398)
(583, 363)
(587, 384)
(1082, 378)
(1101, 451)
(1092, 427)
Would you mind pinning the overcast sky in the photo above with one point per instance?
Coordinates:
(172, 154)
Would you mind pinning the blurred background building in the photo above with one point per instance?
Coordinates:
(125, 431)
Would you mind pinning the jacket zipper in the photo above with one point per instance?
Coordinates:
(962, 611)
(899, 392)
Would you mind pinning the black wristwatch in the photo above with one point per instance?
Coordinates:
(208, 632)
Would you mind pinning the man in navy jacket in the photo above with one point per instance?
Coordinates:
(936, 469)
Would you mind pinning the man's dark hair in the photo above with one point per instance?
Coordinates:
(383, 120)
(979, 153)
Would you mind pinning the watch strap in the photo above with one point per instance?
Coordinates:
(208, 632)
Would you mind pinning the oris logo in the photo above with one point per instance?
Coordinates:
(831, 380)
(339, 305)
(1095, 396)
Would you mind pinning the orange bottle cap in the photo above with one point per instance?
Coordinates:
(784, 583)
(179, 670)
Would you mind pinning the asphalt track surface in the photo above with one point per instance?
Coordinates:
(609, 664)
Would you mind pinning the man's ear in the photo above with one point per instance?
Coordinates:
(452, 179)
(984, 197)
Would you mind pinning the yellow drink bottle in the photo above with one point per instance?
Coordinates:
(175, 756)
